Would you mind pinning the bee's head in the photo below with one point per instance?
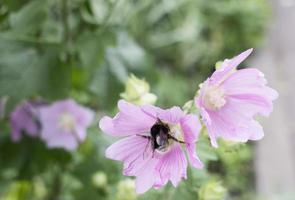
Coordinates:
(158, 127)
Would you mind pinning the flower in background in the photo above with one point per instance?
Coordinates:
(64, 124)
(137, 91)
(152, 150)
(24, 120)
(230, 99)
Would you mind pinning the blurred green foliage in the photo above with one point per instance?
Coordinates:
(85, 49)
(53, 47)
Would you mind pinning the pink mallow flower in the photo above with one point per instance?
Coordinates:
(64, 124)
(230, 99)
(24, 120)
(152, 148)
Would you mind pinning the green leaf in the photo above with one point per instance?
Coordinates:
(29, 17)
(25, 72)
(205, 151)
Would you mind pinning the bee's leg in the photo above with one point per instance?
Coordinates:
(175, 139)
(144, 136)
(145, 149)
(153, 153)
(146, 146)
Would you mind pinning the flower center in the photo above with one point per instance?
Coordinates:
(177, 132)
(67, 122)
(214, 98)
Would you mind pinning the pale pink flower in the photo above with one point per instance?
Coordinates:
(152, 167)
(64, 124)
(230, 99)
(24, 120)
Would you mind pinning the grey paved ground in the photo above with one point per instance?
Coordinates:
(275, 154)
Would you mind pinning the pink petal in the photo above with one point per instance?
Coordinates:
(227, 66)
(208, 123)
(251, 104)
(192, 155)
(49, 131)
(84, 116)
(234, 112)
(147, 177)
(129, 121)
(49, 121)
(256, 131)
(172, 115)
(223, 126)
(212, 135)
(63, 140)
(129, 147)
(23, 119)
(248, 81)
(49, 116)
(244, 78)
(152, 111)
(131, 151)
(80, 133)
(172, 165)
(247, 88)
(191, 127)
(235, 121)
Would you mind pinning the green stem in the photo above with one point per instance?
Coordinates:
(66, 31)
(56, 187)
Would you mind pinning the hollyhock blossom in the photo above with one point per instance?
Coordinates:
(230, 99)
(152, 162)
(64, 124)
(24, 120)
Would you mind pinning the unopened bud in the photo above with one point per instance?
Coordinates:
(126, 190)
(99, 179)
(213, 190)
(137, 91)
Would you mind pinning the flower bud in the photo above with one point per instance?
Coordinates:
(99, 179)
(189, 107)
(40, 190)
(126, 190)
(218, 65)
(213, 190)
(137, 91)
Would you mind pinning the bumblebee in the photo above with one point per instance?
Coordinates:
(161, 136)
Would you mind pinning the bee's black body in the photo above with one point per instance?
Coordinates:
(160, 136)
